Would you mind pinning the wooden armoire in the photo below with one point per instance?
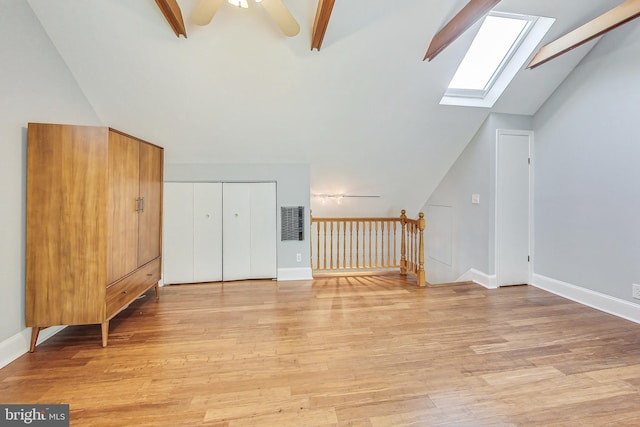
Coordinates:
(94, 221)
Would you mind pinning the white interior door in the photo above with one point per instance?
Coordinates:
(177, 259)
(236, 228)
(512, 207)
(207, 232)
(263, 230)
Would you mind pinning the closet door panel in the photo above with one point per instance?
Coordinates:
(236, 223)
(178, 233)
(263, 230)
(207, 232)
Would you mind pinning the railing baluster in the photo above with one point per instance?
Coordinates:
(389, 244)
(365, 260)
(382, 244)
(395, 243)
(350, 244)
(413, 249)
(364, 244)
(375, 257)
(357, 244)
(337, 245)
(324, 246)
(369, 259)
(318, 242)
(344, 245)
(331, 246)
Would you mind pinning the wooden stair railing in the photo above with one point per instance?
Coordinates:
(345, 245)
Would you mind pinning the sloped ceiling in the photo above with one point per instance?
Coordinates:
(363, 112)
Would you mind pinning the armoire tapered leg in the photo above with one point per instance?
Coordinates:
(157, 292)
(105, 333)
(34, 338)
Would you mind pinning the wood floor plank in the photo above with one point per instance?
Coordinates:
(363, 351)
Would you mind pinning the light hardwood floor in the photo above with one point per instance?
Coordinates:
(361, 351)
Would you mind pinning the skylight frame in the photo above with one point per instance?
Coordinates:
(516, 62)
(515, 45)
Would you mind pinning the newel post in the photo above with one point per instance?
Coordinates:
(403, 255)
(421, 276)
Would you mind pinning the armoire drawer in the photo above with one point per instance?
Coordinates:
(120, 294)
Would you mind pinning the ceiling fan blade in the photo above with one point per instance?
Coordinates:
(204, 11)
(282, 16)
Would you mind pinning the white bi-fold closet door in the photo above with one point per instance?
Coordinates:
(192, 232)
(219, 231)
(249, 231)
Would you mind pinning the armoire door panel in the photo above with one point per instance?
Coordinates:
(207, 232)
(122, 242)
(236, 237)
(178, 233)
(66, 224)
(150, 203)
(263, 230)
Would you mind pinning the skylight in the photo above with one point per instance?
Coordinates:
(504, 41)
(489, 49)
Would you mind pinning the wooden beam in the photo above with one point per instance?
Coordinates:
(173, 14)
(323, 13)
(469, 15)
(604, 23)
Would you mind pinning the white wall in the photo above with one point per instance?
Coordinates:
(460, 235)
(587, 178)
(36, 86)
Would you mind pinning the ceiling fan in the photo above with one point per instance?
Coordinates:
(206, 9)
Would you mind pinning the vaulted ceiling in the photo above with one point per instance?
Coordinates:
(363, 111)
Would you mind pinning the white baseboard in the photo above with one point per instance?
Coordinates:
(285, 274)
(476, 276)
(612, 305)
(17, 345)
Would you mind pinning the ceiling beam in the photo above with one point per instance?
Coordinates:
(323, 14)
(173, 14)
(469, 15)
(604, 23)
